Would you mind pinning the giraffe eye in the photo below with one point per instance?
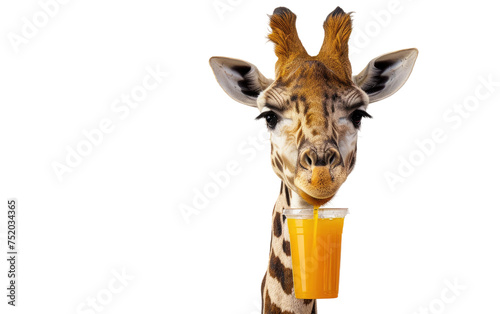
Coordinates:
(271, 119)
(356, 117)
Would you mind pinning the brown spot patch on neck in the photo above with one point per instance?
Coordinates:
(278, 271)
(271, 308)
(286, 247)
(277, 228)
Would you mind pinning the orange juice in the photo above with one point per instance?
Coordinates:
(315, 245)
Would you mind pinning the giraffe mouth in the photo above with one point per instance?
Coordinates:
(318, 186)
(313, 200)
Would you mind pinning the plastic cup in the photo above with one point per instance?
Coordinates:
(315, 258)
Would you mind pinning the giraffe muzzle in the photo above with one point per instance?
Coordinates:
(319, 175)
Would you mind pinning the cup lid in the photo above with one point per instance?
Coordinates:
(308, 213)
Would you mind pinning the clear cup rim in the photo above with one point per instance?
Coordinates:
(308, 213)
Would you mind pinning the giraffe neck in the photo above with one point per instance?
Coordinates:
(278, 295)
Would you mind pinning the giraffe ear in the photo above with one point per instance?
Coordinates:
(386, 74)
(239, 79)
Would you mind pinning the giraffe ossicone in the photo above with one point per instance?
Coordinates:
(313, 110)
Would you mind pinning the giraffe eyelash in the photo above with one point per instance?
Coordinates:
(262, 115)
(363, 114)
(357, 116)
(271, 118)
(265, 114)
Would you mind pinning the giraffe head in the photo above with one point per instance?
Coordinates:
(314, 106)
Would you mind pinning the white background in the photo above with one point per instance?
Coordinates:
(119, 207)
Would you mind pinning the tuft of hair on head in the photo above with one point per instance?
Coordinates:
(287, 45)
(335, 49)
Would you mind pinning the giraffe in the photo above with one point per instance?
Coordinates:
(313, 111)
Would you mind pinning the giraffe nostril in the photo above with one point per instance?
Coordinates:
(308, 160)
(332, 157)
(331, 160)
